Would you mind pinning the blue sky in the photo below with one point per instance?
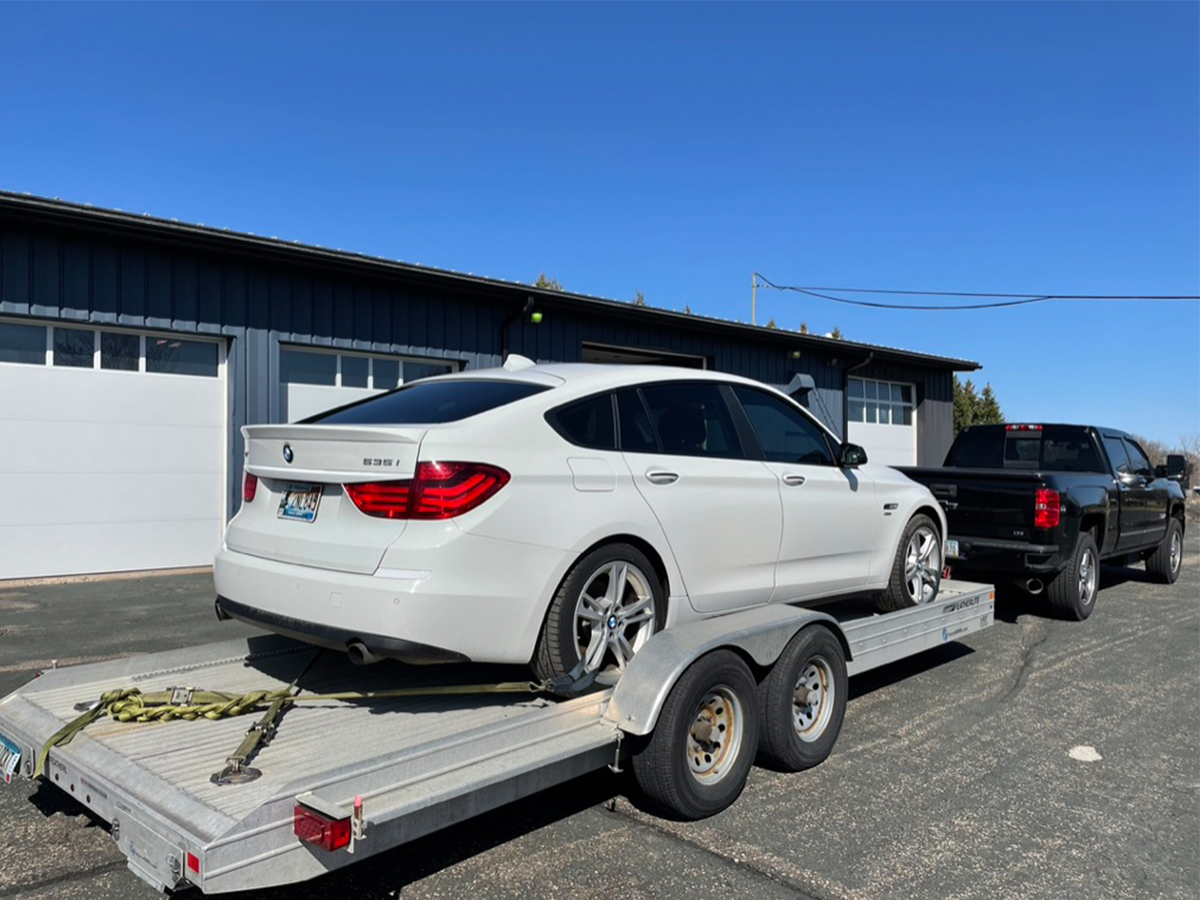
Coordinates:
(674, 149)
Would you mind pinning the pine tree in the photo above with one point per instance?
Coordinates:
(772, 324)
(965, 402)
(548, 284)
(804, 328)
(836, 334)
(639, 299)
(987, 409)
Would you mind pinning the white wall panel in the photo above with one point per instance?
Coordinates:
(105, 471)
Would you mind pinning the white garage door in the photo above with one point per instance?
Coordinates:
(312, 381)
(883, 420)
(112, 450)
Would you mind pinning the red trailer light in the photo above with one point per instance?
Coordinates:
(249, 487)
(313, 828)
(1047, 508)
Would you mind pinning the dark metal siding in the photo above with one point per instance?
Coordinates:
(108, 277)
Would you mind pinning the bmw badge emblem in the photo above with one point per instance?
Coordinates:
(288, 456)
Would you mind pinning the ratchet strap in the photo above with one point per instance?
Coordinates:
(132, 705)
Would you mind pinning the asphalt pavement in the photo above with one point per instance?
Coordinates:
(1039, 758)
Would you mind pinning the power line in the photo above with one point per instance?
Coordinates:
(1009, 299)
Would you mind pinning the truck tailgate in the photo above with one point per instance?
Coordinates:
(984, 503)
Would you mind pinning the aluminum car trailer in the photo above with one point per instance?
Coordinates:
(342, 780)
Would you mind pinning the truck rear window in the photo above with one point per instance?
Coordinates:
(429, 403)
(1052, 449)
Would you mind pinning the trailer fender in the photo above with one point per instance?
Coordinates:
(760, 634)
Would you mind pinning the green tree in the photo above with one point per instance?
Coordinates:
(687, 310)
(987, 409)
(965, 402)
(772, 324)
(639, 299)
(549, 284)
(836, 334)
(804, 328)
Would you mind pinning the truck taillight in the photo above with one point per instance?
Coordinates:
(438, 490)
(249, 487)
(313, 828)
(1047, 508)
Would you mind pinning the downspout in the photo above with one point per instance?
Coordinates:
(508, 320)
(846, 395)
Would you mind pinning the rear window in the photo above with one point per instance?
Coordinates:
(1053, 449)
(429, 403)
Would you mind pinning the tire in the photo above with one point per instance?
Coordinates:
(1072, 592)
(798, 734)
(899, 593)
(700, 753)
(1164, 563)
(567, 633)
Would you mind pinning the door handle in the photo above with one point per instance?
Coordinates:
(661, 476)
(794, 480)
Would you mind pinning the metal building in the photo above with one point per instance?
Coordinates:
(132, 349)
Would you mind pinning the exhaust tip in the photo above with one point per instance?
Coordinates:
(222, 616)
(1034, 585)
(360, 654)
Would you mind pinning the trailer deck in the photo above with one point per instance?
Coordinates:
(418, 764)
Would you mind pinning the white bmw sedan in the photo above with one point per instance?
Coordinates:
(559, 515)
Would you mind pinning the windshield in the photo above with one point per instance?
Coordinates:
(429, 403)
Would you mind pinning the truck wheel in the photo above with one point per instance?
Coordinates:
(699, 756)
(1073, 591)
(802, 701)
(607, 607)
(917, 568)
(1164, 563)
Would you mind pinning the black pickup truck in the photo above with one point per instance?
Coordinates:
(1041, 505)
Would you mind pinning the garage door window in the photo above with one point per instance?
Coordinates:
(120, 351)
(75, 348)
(177, 357)
(880, 402)
(22, 344)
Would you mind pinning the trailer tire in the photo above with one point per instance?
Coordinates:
(1073, 591)
(898, 594)
(798, 732)
(696, 761)
(1165, 561)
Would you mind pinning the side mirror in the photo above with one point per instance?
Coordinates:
(852, 456)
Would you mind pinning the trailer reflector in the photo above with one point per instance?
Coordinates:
(313, 828)
(193, 863)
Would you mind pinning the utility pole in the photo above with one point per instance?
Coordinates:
(753, 298)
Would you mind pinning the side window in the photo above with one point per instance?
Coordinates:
(692, 419)
(637, 434)
(1138, 460)
(785, 434)
(1117, 455)
(587, 423)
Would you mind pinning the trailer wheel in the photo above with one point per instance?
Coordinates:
(699, 755)
(1072, 593)
(1164, 562)
(802, 701)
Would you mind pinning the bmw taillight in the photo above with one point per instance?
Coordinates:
(438, 490)
(1047, 508)
(249, 487)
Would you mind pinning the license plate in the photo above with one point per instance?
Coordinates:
(951, 549)
(10, 757)
(300, 501)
